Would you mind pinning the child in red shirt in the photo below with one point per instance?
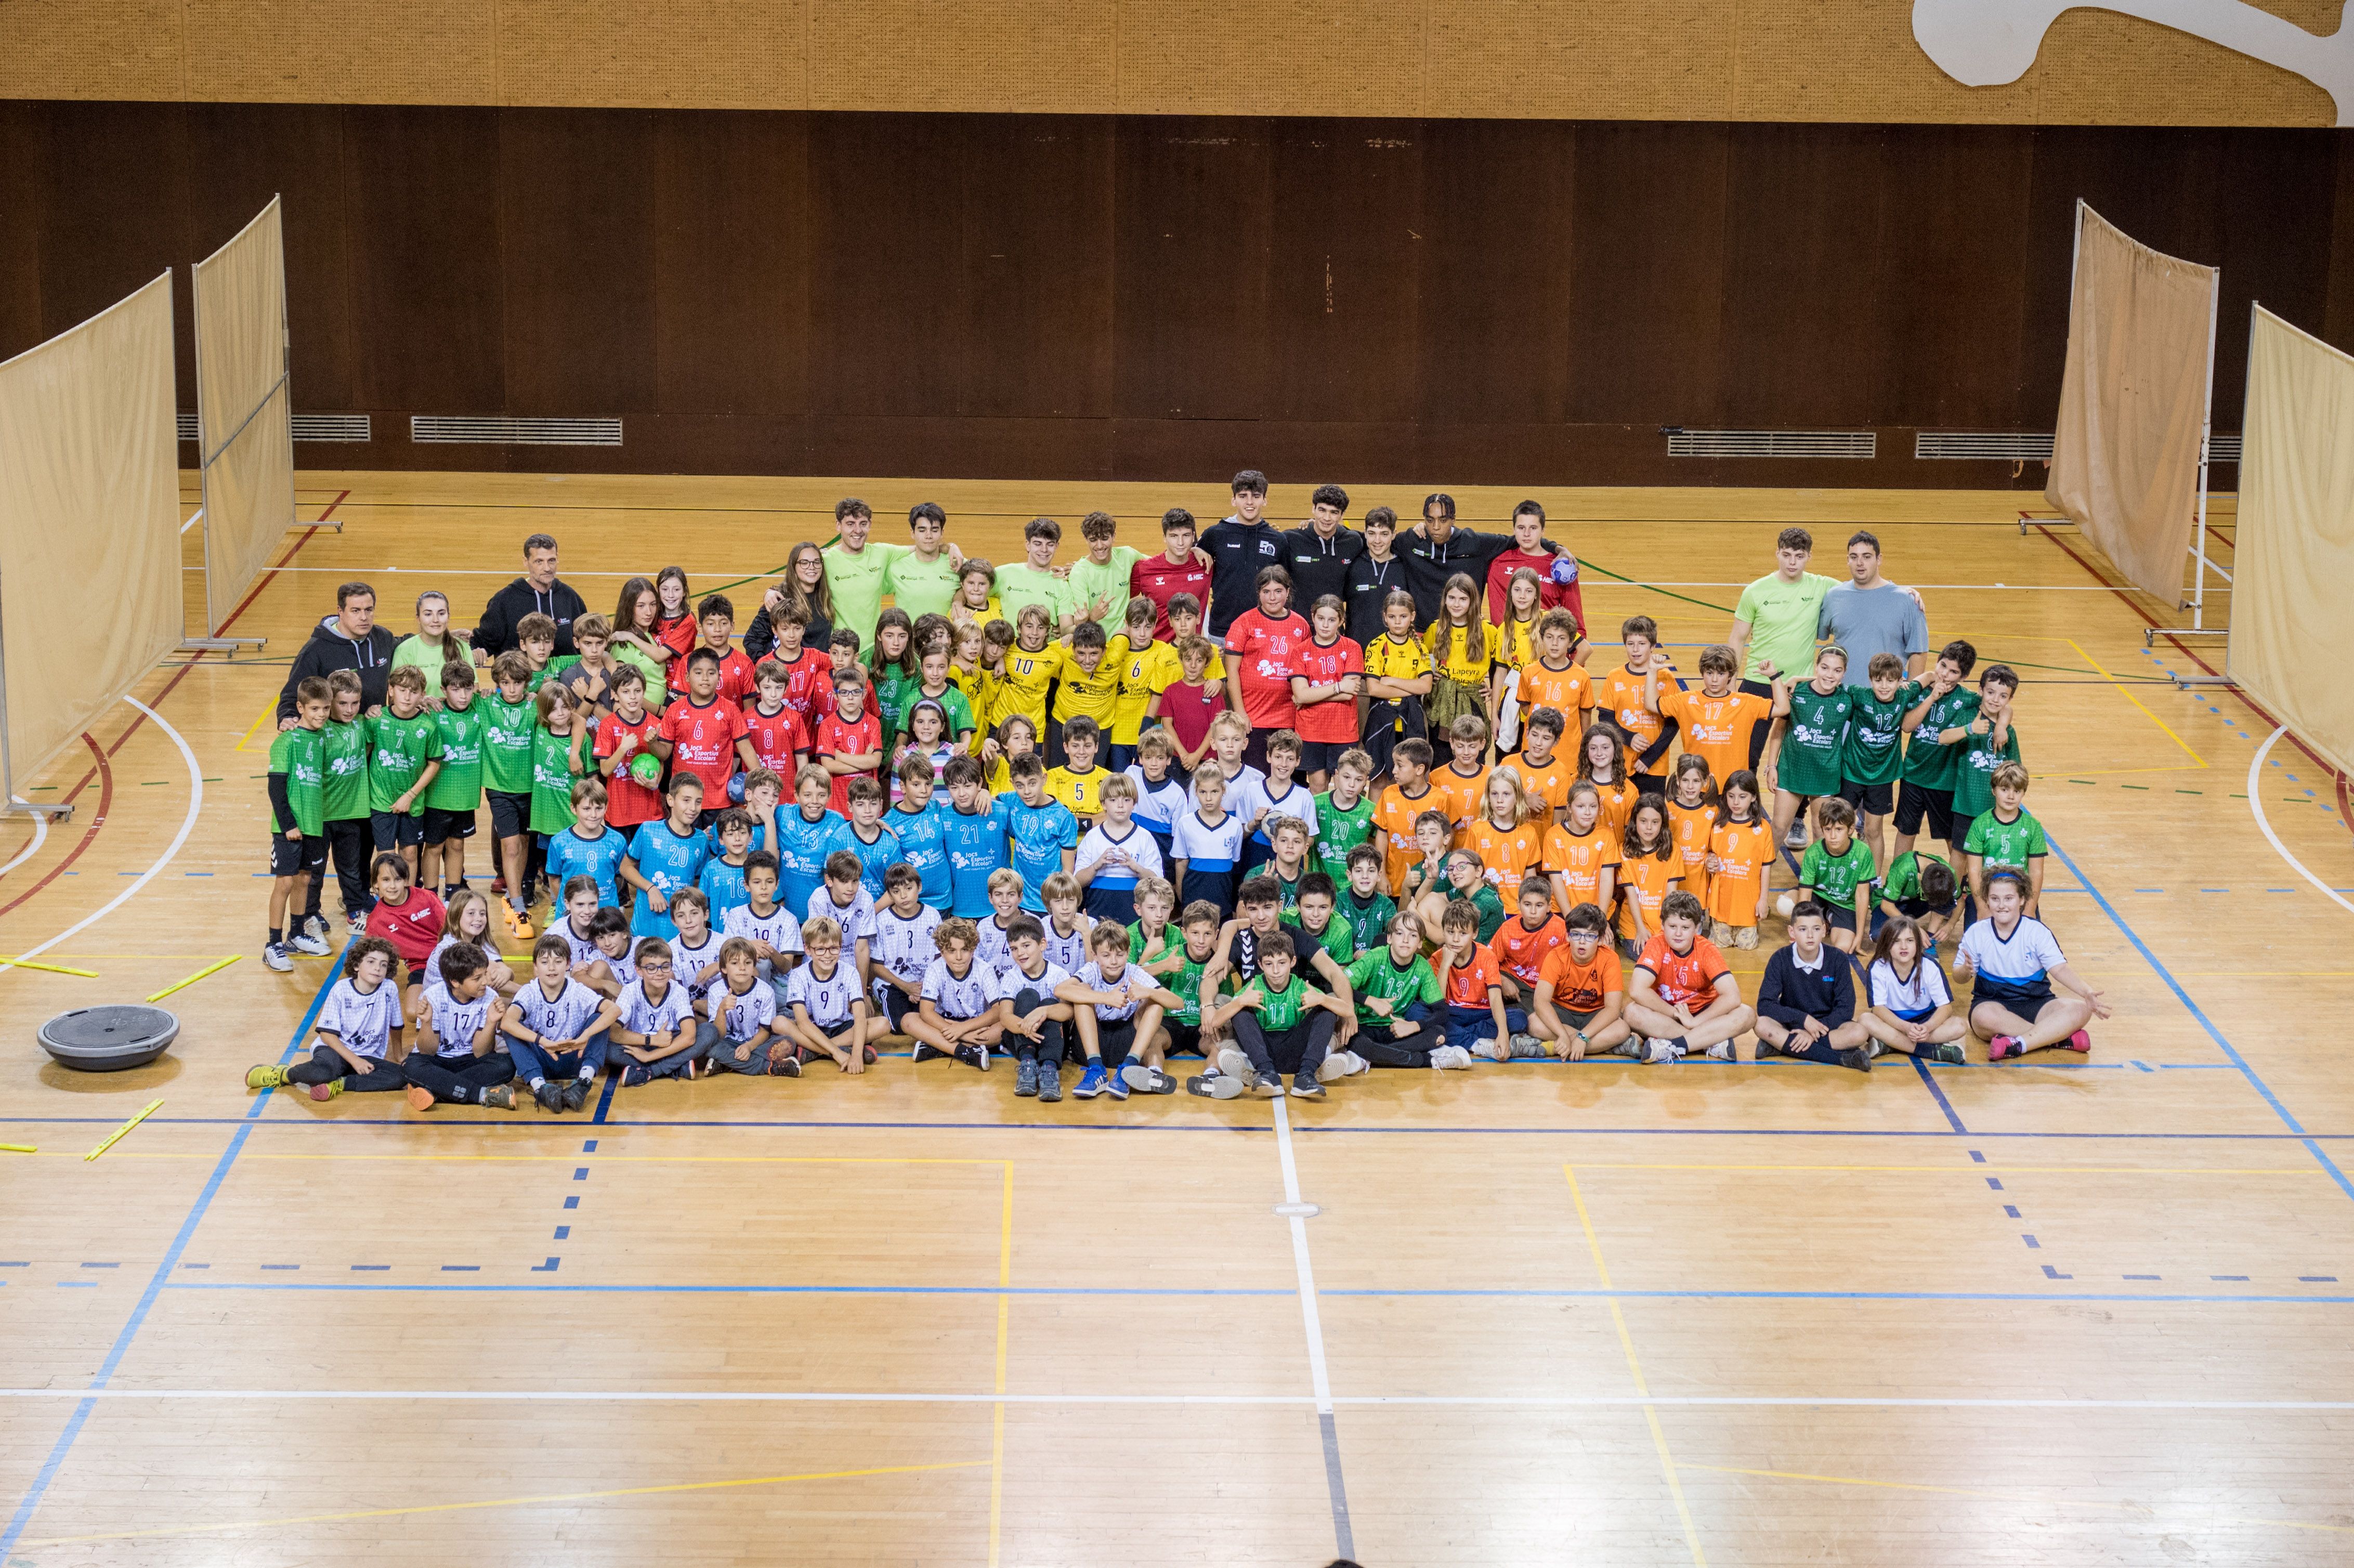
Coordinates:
(849, 738)
(620, 734)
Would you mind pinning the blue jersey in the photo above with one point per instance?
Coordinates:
(976, 846)
(802, 848)
(1040, 834)
(759, 842)
(924, 844)
(724, 885)
(570, 855)
(873, 859)
(670, 861)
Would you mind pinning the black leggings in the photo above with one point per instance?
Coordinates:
(1049, 1046)
(457, 1080)
(326, 1065)
(1299, 1049)
(349, 843)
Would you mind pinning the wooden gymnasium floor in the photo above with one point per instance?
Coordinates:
(2069, 1312)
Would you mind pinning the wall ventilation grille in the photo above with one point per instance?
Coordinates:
(1773, 443)
(500, 430)
(187, 427)
(333, 428)
(1982, 446)
(2221, 448)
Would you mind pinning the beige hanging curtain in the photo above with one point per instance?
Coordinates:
(243, 401)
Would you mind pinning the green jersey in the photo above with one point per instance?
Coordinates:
(300, 753)
(1874, 751)
(459, 786)
(1927, 762)
(1283, 1008)
(895, 690)
(2012, 843)
(1841, 881)
(952, 702)
(1337, 938)
(1291, 885)
(1108, 582)
(345, 749)
(1811, 748)
(921, 587)
(551, 781)
(1973, 764)
(506, 743)
(546, 672)
(1490, 904)
(1022, 584)
(1339, 830)
(1902, 886)
(1186, 982)
(1376, 974)
(399, 750)
(1369, 919)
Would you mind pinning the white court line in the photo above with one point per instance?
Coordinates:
(187, 826)
(1504, 1401)
(1320, 1382)
(40, 836)
(2255, 770)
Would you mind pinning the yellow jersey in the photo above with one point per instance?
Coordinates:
(1089, 694)
(1023, 688)
(1082, 793)
(1450, 653)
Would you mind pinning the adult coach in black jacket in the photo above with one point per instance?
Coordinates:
(1318, 555)
(348, 640)
(1436, 549)
(537, 591)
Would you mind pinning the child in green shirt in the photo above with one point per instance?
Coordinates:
(1809, 737)
(1344, 814)
(350, 834)
(1837, 872)
(1397, 995)
(457, 789)
(298, 834)
(1366, 905)
(2006, 838)
(1099, 583)
(404, 756)
(1874, 753)
(1983, 744)
(557, 744)
(510, 717)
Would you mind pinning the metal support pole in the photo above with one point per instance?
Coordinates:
(11, 804)
(2206, 436)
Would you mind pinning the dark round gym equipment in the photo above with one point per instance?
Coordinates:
(109, 1039)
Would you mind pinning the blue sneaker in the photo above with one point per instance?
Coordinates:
(1091, 1082)
(1115, 1085)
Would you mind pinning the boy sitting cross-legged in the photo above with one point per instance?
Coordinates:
(1117, 1007)
(956, 1015)
(1682, 994)
(355, 1029)
(556, 1029)
(1475, 1014)
(827, 997)
(1397, 1000)
(1282, 1024)
(456, 1057)
(657, 1032)
(744, 1010)
(1031, 1007)
(2014, 959)
(1581, 997)
(1180, 966)
(1806, 1002)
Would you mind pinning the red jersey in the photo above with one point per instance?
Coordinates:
(838, 737)
(627, 802)
(1551, 595)
(1322, 664)
(679, 636)
(1189, 710)
(1686, 977)
(704, 744)
(1520, 952)
(809, 685)
(412, 928)
(1161, 579)
(734, 675)
(1265, 653)
(1467, 984)
(780, 740)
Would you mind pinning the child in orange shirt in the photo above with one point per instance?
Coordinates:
(1650, 868)
(1601, 762)
(1545, 772)
(1721, 723)
(1581, 995)
(1682, 993)
(1475, 1014)
(1581, 854)
(1508, 836)
(1522, 943)
(1554, 680)
(1464, 781)
(1692, 817)
(1621, 693)
(1740, 853)
(1407, 796)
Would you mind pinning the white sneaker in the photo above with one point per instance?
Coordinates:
(1340, 1065)
(274, 955)
(1721, 1052)
(1489, 1051)
(1650, 1052)
(1451, 1059)
(1796, 838)
(312, 939)
(1528, 1046)
(1236, 1065)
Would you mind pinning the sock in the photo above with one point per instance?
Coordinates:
(588, 1075)
(277, 935)
(535, 1083)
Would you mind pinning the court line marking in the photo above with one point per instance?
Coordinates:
(1635, 1366)
(2140, 1511)
(502, 1502)
(997, 1414)
(48, 1474)
(187, 826)
(40, 836)
(1320, 1379)
(1297, 1401)
(2255, 770)
(2137, 702)
(2299, 1171)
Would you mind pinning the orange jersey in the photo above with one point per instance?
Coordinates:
(1621, 694)
(1645, 880)
(1580, 860)
(1569, 693)
(1509, 854)
(1686, 977)
(1393, 816)
(1617, 805)
(1466, 798)
(1718, 729)
(1548, 783)
(1691, 827)
(1520, 952)
(1467, 984)
(1743, 851)
(1581, 987)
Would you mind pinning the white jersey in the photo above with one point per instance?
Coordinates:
(1922, 990)
(2018, 963)
(433, 960)
(1299, 804)
(906, 945)
(1212, 848)
(961, 999)
(1012, 982)
(455, 1022)
(1067, 953)
(856, 921)
(583, 950)
(687, 965)
(827, 997)
(364, 1020)
(993, 954)
(623, 964)
(567, 1017)
(639, 1016)
(1142, 850)
(741, 1014)
(1092, 976)
(776, 927)
(1158, 806)
(1245, 795)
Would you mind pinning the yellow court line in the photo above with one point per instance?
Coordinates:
(2139, 1510)
(2117, 772)
(506, 1502)
(997, 1413)
(1635, 1366)
(269, 716)
(635, 1158)
(2137, 702)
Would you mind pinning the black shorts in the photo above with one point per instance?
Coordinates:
(1869, 799)
(1184, 1039)
(442, 826)
(395, 830)
(2028, 1006)
(510, 814)
(1915, 803)
(1577, 1020)
(304, 857)
(897, 1006)
(1115, 1039)
(1322, 756)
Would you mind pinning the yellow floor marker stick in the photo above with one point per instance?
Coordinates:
(18, 1149)
(152, 1106)
(183, 985)
(51, 969)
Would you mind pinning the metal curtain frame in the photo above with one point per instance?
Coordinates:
(215, 612)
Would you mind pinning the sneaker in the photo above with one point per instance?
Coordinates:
(265, 1078)
(355, 924)
(970, 1056)
(1116, 1082)
(2080, 1042)
(420, 1098)
(1338, 1064)
(1950, 1052)
(1138, 1076)
(1156, 1082)
(1857, 1057)
(1874, 1049)
(1025, 1076)
(2003, 1046)
(519, 920)
(1266, 1086)
(274, 955)
(1746, 938)
(1304, 1087)
(784, 1063)
(1652, 1052)
(313, 937)
(499, 1096)
(1493, 1049)
(1526, 1045)
(928, 1052)
(1091, 1081)
(576, 1094)
(636, 1073)
(1451, 1059)
(550, 1096)
(1722, 1052)
(1050, 1082)
(1234, 1064)
(327, 1090)
(1796, 838)
(1214, 1086)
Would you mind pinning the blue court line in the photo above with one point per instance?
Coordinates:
(1936, 1094)
(2312, 1145)
(156, 1285)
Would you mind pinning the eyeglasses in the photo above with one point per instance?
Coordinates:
(653, 968)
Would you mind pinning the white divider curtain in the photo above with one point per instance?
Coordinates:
(242, 397)
(2296, 546)
(2133, 402)
(89, 522)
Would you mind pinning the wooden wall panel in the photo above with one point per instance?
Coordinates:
(1033, 245)
(1495, 321)
(1343, 271)
(884, 277)
(1953, 299)
(24, 137)
(577, 221)
(1646, 248)
(1194, 231)
(427, 260)
(733, 237)
(114, 208)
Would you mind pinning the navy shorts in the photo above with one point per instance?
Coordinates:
(297, 857)
(396, 829)
(510, 812)
(442, 826)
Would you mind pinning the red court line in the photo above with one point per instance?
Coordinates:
(90, 834)
(2344, 815)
